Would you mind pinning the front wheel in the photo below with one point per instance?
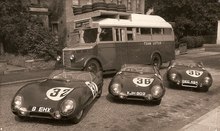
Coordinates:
(156, 60)
(78, 117)
(93, 66)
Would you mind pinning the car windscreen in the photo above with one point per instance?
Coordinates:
(139, 70)
(71, 76)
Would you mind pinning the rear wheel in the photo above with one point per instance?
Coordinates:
(156, 60)
(78, 117)
(93, 66)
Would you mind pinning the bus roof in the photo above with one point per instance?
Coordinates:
(137, 20)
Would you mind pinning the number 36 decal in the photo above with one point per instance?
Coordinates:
(93, 87)
(143, 82)
(58, 93)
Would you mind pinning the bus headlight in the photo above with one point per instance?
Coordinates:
(72, 57)
(58, 58)
(68, 106)
(157, 91)
(116, 88)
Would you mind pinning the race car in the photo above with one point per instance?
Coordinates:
(189, 75)
(63, 96)
(138, 82)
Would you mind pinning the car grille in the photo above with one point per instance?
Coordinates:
(66, 58)
(189, 85)
(39, 114)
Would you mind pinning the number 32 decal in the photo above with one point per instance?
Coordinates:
(58, 93)
(93, 87)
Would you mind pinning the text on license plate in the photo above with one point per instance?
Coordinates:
(41, 109)
(136, 93)
(190, 82)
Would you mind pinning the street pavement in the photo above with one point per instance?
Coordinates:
(207, 122)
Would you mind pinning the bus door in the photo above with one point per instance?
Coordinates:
(121, 47)
(136, 47)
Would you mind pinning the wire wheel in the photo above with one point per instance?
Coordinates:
(93, 66)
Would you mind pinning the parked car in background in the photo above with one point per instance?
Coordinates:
(64, 95)
(189, 75)
(138, 82)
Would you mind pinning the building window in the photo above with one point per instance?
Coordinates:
(129, 5)
(75, 2)
(138, 6)
(119, 2)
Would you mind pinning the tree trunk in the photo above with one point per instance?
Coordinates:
(2, 52)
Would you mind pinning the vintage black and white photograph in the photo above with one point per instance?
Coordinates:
(109, 65)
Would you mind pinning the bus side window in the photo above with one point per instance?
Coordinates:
(120, 34)
(145, 31)
(106, 34)
(156, 31)
(167, 31)
(129, 34)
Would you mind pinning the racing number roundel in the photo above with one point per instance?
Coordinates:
(58, 93)
(194, 73)
(93, 87)
(143, 82)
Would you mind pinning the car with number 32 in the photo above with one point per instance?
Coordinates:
(189, 75)
(138, 82)
(63, 96)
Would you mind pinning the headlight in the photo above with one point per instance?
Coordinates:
(18, 101)
(157, 91)
(72, 58)
(174, 77)
(116, 88)
(207, 81)
(68, 106)
(58, 58)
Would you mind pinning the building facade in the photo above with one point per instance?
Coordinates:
(58, 16)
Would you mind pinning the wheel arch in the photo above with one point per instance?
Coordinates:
(92, 58)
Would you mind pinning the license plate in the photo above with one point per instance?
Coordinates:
(190, 82)
(41, 109)
(131, 93)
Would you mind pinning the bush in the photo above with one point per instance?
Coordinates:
(189, 40)
(193, 41)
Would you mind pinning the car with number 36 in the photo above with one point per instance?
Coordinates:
(190, 75)
(63, 96)
(138, 82)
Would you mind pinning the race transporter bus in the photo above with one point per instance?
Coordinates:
(109, 39)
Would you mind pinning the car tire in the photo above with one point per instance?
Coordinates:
(156, 60)
(93, 66)
(112, 6)
(121, 8)
(99, 93)
(86, 8)
(78, 117)
(156, 102)
(99, 6)
(203, 89)
(77, 10)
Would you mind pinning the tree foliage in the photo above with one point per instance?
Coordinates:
(191, 17)
(23, 33)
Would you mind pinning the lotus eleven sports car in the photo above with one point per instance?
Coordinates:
(138, 82)
(63, 96)
(189, 75)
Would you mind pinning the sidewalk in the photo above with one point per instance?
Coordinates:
(25, 76)
(207, 122)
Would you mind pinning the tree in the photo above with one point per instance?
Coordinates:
(23, 33)
(192, 17)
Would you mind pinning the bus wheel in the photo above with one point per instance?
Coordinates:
(156, 60)
(93, 66)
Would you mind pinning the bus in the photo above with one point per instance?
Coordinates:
(108, 39)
